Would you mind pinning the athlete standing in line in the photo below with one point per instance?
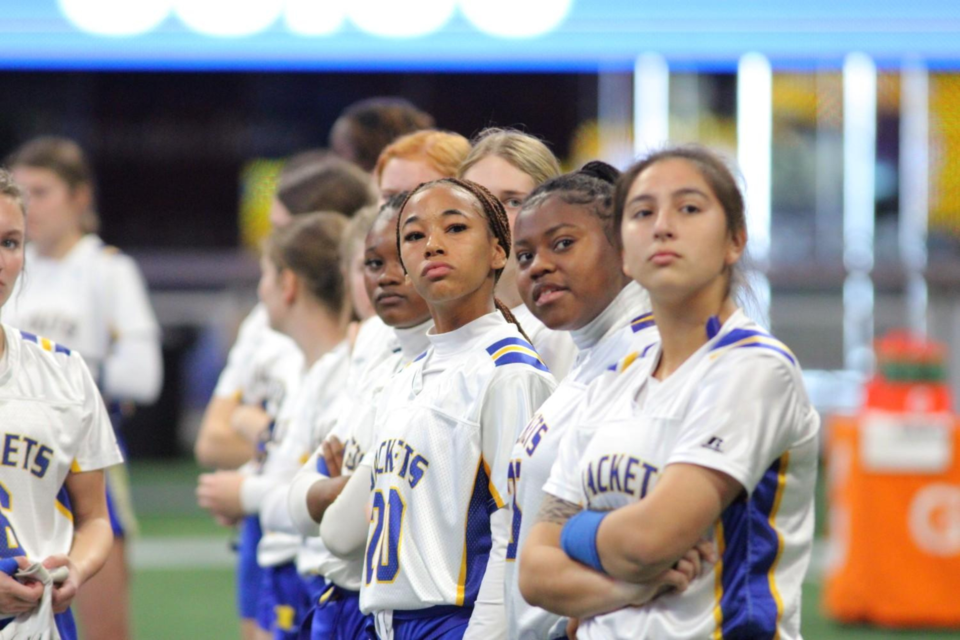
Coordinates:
(264, 365)
(304, 294)
(564, 224)
(511, 164)
(444, 429)
(708, 434)
(57, 441)
(80, 292)
(319, 482)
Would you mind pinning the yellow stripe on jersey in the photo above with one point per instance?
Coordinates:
(493, 489)
(516, 348)
(644, 318)
(62, 508)
(718, 581)
(75, 467)
(626, 362)
(462, 579)
(46, 344)
(781, 484)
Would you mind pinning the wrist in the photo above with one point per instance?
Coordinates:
(578, 539)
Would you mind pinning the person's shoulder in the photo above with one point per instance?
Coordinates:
(47, 364)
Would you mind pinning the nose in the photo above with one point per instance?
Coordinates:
(540, 266)
(392, 275)
(663, 224)
(433, 246)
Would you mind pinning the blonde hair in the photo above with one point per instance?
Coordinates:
(525, 152)
(10, 189)
(444, 151)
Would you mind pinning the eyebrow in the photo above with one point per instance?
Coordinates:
(448, 212)
(686, 191)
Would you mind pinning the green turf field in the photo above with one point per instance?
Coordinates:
(192, 603)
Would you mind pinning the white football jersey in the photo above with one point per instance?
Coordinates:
(54, 423)
(625, 325)
(737, 405)
(556, 348)
(354, 428)
(305, 419)
(375, 342)
(445, 427)
(91, 300)
(264, 366)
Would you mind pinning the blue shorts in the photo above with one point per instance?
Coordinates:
(284, 601)
(115, 523)
(434, 623)
(336, 617)
(65, 625)
(249, 573)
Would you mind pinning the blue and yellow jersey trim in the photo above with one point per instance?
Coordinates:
(743, 338)
(640, 323)
(515, 351)
(46, 345)
(629, 359)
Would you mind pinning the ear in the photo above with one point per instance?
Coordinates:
(289, 285)
(498, 257)
(736, 244)
(82, 196)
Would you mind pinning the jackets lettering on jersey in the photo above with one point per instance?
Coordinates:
(396, 456)
(26, 453)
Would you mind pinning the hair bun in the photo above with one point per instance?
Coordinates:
(601, 171)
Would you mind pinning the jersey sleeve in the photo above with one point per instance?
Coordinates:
(509, 403)
(746, 413)
(233, 378)
(564, 480)
(98, 449)
(133, 368)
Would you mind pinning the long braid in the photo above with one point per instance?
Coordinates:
(496, 218)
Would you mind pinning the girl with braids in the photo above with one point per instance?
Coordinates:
(304, 295)
(511, 164)
(566, 223)
(444, 429)
(707, 434)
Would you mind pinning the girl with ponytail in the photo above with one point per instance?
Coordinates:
(439, 529)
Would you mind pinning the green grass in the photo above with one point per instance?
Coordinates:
(175, 605)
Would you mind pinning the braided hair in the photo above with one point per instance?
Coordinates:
(497, 221)
(592, 186)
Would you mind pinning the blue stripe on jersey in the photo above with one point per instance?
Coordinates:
(31, 337)
(64, 498)
(477, 540)
(750, 605)
(59, 348)
(420, 357)
(747, 338)
(515, 351)
(640, 323)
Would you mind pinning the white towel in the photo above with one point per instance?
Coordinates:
(39, 623)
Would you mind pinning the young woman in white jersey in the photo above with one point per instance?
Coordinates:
(57, 441)
(511, 164)
(567, 223)
(80, 292)
(264, 366)
(337, 615)
(707, 435)
(303, 292)
(444, 429)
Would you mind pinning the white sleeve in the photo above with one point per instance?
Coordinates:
(133, 368)
(98, 448)
(564, 480)
(297, 497)
(746, 414)
(509, 403)
(345, 524)
(489, 618)
(233, 378)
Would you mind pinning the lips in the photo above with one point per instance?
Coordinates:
(662, 258)
(435, 270)
(546, 293)
(389, 299)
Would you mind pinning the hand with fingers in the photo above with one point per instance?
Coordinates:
(16, 597)
(332, 450)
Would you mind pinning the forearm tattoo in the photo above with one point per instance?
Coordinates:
(556, 510)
